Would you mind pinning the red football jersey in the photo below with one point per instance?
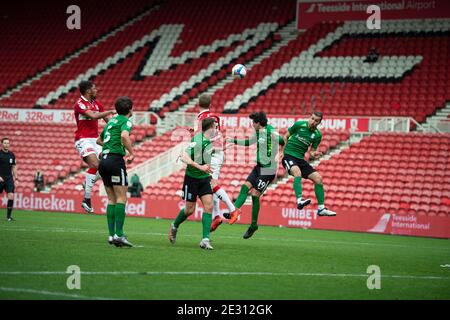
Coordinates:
(86, 127)
(207, 114)
(217, 141)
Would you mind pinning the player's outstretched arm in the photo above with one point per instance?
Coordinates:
(246, 142)
(107, 118)
(98, 115)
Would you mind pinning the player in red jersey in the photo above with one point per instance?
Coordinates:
(217, 159)
(87, 113)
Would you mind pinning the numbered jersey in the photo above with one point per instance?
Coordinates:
(86, 127)
(111, 134)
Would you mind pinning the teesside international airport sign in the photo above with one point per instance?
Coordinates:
(310, 12)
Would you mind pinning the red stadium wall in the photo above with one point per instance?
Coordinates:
(310, 12)
(350, 220)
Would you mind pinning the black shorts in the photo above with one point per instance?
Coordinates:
(193, 188)
(261, 177)
(7, 185)
(290, 161)
(112, 169)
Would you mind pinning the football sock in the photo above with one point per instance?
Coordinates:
(119, 215)
(9, 207)
(241, 197)
(91, 177)
(298, 187)
(255, 211)
(320, 194)
(180, 218)
(206, 222)
(223, 195)
(110, 209)
(216, 206)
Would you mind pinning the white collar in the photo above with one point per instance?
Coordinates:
(82, 97)
(207, 110)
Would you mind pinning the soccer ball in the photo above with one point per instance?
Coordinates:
(239, 71)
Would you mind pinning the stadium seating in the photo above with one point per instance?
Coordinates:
(117, 76)
(417, 93)
(37, 37)
(51, 150)
(400, 172)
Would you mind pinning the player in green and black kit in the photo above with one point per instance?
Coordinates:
(197, 182)
(268, 140)
(300, 137)
(115, 139)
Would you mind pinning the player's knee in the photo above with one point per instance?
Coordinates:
(256, 195)
(295, 171)
(10, 196)
(318, 179)
(188, 210)
(208, 207)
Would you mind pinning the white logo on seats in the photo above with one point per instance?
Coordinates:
(308, 65)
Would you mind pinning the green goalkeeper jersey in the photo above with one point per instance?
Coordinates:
(200, 150)
(301, 137)
(111, 134)
(267, 140)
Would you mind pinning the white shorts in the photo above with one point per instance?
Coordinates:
(87, 146)
(216, 163)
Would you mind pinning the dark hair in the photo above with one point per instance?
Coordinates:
(204, 101)
(259, 117)
(318, 114)
(207, 123)
(5, 138)
(123, 105)
(85, 86)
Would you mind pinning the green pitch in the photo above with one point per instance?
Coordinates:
(276, 263)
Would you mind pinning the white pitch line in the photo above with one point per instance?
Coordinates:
(217, 273)
(64, 230)
(52, 293)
